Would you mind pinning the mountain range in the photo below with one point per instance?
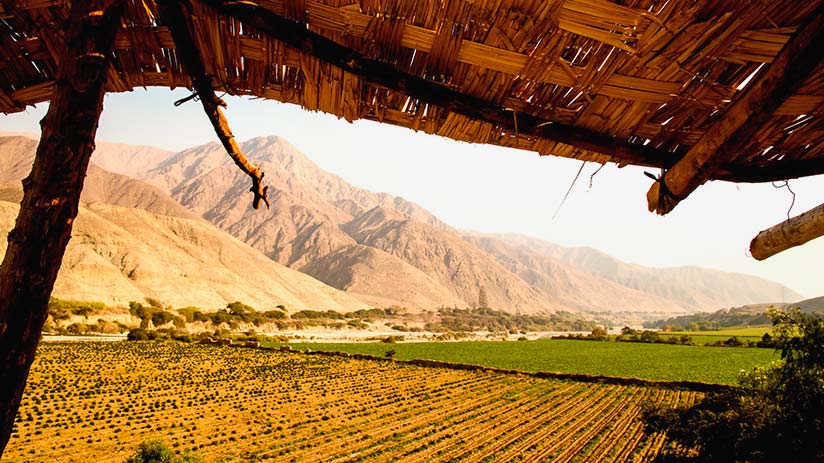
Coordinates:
(326, 244)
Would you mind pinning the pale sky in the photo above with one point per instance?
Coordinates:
(493, 189)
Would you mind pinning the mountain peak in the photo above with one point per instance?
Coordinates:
(385, 247)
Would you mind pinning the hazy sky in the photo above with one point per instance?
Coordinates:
(492, 189)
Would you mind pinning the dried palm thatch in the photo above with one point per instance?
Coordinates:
(704, 89)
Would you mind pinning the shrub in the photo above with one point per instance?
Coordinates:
(220, 317)
(776, 416)
(240, 310)
(599, 333)
(138, 334)
(191, 314)
(274, 314)
(161, 317)
(155, 451)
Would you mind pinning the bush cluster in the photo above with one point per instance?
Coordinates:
(709, 321)
(777, 415)
(486, 319)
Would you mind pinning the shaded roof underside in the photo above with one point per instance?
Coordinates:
(651, 74)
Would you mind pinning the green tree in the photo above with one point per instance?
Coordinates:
(143, 313)
(161, 317)
(483, 301)
(776, 416)
(240, 310)
(599, 333)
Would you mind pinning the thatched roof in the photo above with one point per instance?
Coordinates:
(712, 89)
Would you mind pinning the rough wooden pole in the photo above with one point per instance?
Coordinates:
(174, 15)
(51, 194)
(745, 117)
(788, 234)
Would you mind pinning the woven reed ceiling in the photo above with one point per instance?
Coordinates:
(651, 75)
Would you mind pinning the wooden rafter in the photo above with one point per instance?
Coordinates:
(788, 234)
(745, 116)
(174, 15)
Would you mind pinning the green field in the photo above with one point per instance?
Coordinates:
(752, 333)
(637, 360)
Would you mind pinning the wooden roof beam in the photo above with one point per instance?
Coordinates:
(769, 171)
(386, 75)
(788, 234)
(745, 116)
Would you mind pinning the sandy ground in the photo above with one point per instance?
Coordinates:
(321, 335)
(72, 338)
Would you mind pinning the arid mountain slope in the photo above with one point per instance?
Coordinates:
(302, 228)
(130, 160)
(319, 224)
(693, 288)
(393, 250)
(121, 254)
(153, 246)
(571, 286)
(17, 155)
(353, 268)
(447, 259)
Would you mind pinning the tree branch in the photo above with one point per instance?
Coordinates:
(173, 14)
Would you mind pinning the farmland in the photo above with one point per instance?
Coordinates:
(752, 333)
(97, 401)
(624, 359)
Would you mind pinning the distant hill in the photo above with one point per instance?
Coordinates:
(119, 254)
(17, 155)
(815, 304)
(380, 249)
(747, 315)
(131, 240)
(350, 238)
(693, 288)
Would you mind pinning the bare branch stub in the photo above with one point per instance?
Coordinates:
(173, 14)
(211, 105)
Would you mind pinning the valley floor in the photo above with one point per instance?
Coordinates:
(97, 401)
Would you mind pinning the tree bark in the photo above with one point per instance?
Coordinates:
(51, 194)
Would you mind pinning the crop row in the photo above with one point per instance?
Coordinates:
(97, 401)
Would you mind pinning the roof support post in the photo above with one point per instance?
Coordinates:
(750, 111)
(174, 15)
(51, 194)
(788, 234)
